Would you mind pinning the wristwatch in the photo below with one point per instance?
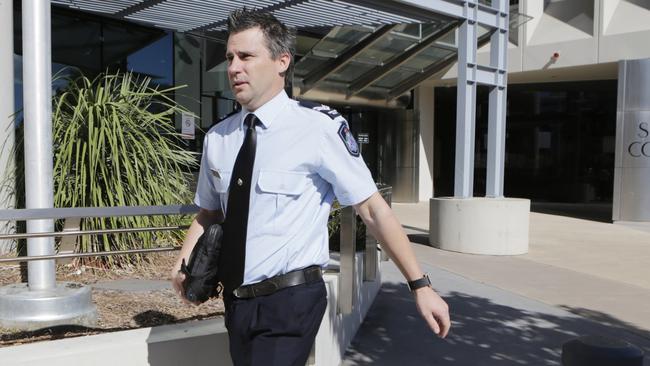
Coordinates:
(419, 283)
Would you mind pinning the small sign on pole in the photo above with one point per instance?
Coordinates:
(188, 126)
(363, 139)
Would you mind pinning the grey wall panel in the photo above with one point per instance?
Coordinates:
(397, 153)
(620, 142)
(637, 80)
(632, 165)
(635, 197)
(404, 191)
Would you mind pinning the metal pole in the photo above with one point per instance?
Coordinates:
(497, 111)
(37, 92)
(466, 103)
(6, 110)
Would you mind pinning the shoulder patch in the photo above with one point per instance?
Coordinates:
(331, 113)
(348, 140)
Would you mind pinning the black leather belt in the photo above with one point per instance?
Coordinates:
(273, 284)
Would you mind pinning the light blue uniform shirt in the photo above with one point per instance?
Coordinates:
(305, 157)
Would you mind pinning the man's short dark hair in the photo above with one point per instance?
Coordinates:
(279, 38)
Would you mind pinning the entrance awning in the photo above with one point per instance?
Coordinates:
(370, 52)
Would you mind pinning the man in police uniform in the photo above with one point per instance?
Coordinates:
(304, 157)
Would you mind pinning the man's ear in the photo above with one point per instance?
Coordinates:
(284, 60)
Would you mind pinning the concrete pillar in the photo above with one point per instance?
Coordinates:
(424, 106)
(493, 225)
(6, 121)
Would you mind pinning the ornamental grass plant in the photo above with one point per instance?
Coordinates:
(115, 144)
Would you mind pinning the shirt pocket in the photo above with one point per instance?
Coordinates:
(282, 182)
(279, 189)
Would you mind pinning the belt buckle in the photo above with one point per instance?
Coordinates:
(264, 288)
(238, 292)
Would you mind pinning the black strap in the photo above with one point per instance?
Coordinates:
(233, 255)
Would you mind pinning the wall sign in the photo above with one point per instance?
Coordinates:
(188, 126)
(641, 146)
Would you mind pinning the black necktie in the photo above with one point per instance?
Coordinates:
(233, 254)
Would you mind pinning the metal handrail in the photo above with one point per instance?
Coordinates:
(51, 213)
(83, 212)
(91, 232)
(93, 254)
(347, 217)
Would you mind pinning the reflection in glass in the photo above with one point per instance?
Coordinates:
(427, 57)
(154, 60)
(395, 77)
(340, 39)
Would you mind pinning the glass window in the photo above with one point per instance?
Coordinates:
(154, 60)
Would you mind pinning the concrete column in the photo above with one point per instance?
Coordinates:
(37, 91)
(6, 110)
(424, 105)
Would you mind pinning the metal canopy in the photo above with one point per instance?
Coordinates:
(374, 52)
(369, 63)
(211, 15)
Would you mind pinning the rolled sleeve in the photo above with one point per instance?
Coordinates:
(347, 173)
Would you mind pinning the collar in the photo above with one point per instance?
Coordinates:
(267, 112)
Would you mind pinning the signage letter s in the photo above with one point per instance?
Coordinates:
(643, 126)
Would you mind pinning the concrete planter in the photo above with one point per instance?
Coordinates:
(491, 226)
(194, 343)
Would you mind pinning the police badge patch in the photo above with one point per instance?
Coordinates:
(348, 140)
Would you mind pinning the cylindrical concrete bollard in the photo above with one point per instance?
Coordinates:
(600, 351)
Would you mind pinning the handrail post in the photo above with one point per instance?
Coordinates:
(370, 258)
(347, 288)
(388, 197)
(68, 243)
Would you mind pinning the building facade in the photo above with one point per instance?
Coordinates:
(563, 73)
(563, 104)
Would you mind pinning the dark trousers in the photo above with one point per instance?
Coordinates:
(278, 329)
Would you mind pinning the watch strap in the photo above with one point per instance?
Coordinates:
(419, 283)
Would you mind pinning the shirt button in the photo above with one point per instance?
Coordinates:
(240, 182)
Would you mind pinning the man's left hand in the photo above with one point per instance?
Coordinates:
(434, 310)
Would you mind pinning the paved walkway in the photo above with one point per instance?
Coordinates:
(580, 277)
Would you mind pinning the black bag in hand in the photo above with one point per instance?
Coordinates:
(201, 280)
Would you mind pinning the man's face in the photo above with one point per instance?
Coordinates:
(255, 78)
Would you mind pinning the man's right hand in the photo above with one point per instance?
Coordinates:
(177, 283)
(203, 220)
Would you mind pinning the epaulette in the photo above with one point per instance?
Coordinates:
(331, 113)
(224, 117)
(227, 115)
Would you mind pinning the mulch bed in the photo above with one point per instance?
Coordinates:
(117, 310)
